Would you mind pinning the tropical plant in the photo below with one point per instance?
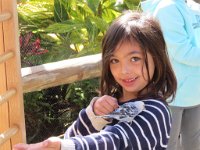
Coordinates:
(49, 112)
(69, 28)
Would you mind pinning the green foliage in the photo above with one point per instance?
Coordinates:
(69, 28)
(81, 93)
(132, 4)
(49, 112)
(34, 15)
(60, 13)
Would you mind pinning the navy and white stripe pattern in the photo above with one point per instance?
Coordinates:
(148, 131)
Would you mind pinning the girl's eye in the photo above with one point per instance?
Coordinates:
(114, 61)
(135, 59)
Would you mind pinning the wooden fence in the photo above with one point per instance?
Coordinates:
(62, 72)
(14, 80)
(12, 125)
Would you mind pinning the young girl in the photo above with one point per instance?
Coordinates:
(135, 67)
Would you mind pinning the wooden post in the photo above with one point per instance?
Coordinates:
(4, 118)
(12, 111)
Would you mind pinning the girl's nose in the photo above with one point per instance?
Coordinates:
(125, 69)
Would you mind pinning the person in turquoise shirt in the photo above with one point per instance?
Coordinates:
(181, 28)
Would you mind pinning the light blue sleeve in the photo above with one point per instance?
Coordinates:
(179, 41)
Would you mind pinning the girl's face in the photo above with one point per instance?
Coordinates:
(127, 65)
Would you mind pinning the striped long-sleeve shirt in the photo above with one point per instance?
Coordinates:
(148, 131)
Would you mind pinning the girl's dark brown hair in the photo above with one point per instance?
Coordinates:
(145, 30)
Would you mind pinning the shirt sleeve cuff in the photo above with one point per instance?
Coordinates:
(98, 123)
(67, 144)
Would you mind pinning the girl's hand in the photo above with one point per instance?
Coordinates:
(105, 105)
(52, 143)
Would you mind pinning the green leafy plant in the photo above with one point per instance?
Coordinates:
(49, 112)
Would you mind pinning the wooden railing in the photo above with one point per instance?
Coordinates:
(62, 72)
(12, 126)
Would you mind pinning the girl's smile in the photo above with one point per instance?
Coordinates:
(127, 65)
(129, 82)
